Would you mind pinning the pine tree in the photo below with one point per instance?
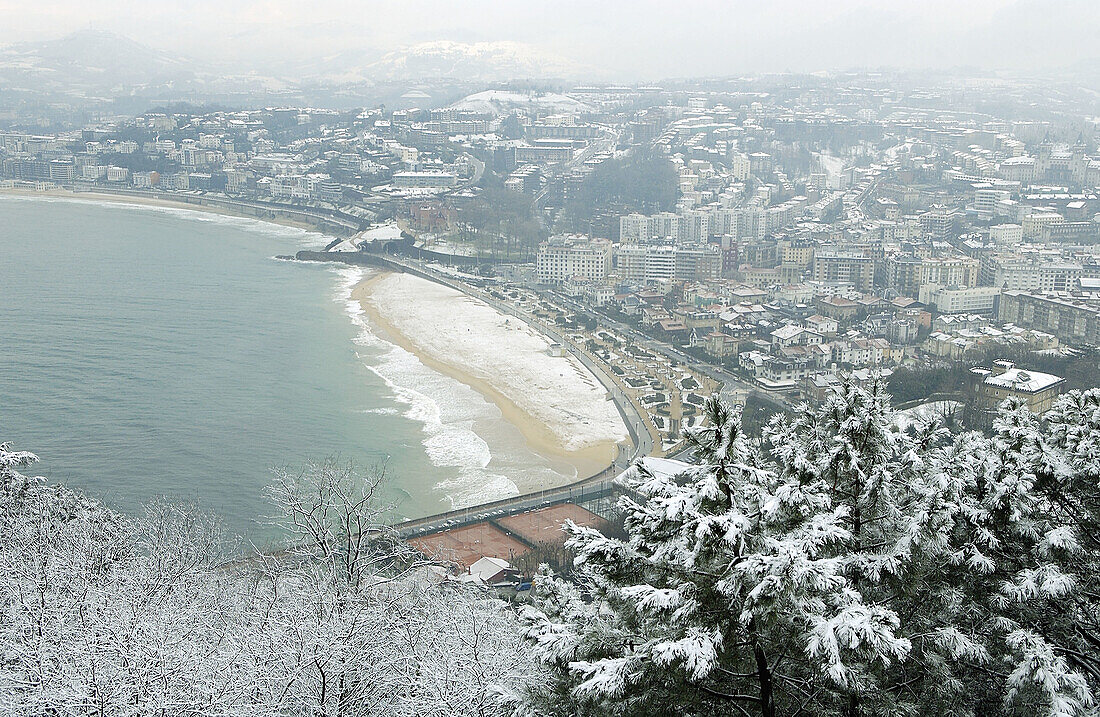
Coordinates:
(728, 597)
(844, 567)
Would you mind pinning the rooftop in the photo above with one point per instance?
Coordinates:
(1018, 379)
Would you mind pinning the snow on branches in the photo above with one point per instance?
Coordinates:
(842, 566)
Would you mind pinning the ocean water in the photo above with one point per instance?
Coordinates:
(148, 352)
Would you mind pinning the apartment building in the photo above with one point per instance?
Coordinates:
(1032, 224)
(844, 267)
(567, 257)
(1006, 234)
(424, 180)
(907, 273)
(958, 300)
(1073, 319)
(634, 229)
(650, 264)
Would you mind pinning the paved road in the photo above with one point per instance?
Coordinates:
(635, 422)
(579, 492)
(728, 380)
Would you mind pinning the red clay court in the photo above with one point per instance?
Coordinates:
(466, 544)
(544, 525)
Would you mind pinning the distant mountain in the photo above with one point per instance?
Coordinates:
(481, 61)
(90, 62)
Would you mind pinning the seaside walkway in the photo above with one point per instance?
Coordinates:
(584, 489)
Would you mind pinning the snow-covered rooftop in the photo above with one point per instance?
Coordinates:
(1018, 379)
(660, 467)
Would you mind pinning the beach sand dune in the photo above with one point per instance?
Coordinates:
(560, 408)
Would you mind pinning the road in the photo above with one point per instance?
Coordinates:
(635, 422)
(728, 380)
(604, 143)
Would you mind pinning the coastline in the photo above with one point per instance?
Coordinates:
(540, 438)
(575, 464)
(158, 202)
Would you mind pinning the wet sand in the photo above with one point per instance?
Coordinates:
(540, 438)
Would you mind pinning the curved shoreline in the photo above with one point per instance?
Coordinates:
(273, 215)
(540, 438)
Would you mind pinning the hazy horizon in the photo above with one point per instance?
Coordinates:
(613, 41)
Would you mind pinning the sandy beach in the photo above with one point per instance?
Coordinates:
(153, 201)
(559, 407)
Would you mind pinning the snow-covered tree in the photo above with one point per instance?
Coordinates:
(728, 597)
(104, 614)
(841, 567)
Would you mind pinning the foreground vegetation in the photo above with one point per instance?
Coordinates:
(842, 567)
(837, 566)
(155, 615)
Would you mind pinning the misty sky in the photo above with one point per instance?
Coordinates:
(628, 39)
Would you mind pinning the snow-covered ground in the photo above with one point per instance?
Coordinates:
(909, 416)
(474, 338)
(831, 164)
(499, 102)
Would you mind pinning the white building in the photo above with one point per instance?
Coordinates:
(569, 257)
(651, 264)
(959, 299)
(1006, 234)
(424, 180)
(740, 166)
(634, 229)
(1032, 224)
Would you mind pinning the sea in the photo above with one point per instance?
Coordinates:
(149, 352)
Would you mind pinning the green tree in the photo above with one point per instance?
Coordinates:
(643, 181)
(841, 567)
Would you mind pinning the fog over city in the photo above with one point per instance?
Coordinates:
(613, 358)
(622, 40)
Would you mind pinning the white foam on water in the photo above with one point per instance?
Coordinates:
(449, 439)
(305, 238)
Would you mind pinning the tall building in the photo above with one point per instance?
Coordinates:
(1024, 273)
(959, 300)
(1073, 320)
(695, 226)
(566, 257)
(1032, 224)
(740, 166)
(844, 267)
(939, 222)
(907, 273)
(665, 225)
(634, 229)
(650, 264)
(1006, 234)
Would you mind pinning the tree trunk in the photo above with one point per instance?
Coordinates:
(852, 710)
(764, 675)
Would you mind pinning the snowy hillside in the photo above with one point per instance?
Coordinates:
(499, 102)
